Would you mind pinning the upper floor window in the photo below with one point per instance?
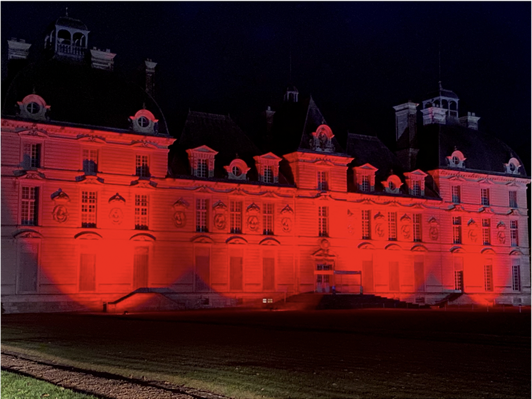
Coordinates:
(267, 218)
(236, 217)
(88, 208)
(366, 228)
(323, 183)
(485, 196)
(202, 168)
(417, 227)
(486, 231)
(323, 221)
(456, 194)
(142, 166)
(365, 177)
(457, 230)
(267, 176)
(512, 199)
(141, 212)
(416, 182)
(365, 183)
(416, 188)
(33, 107)
(90, 161)
(392, 226)
(456, 159)
(144, 122)
(268, 167)
(201, 160)
(201, 214)
(29, 206)
(514, 235)
(32, 155)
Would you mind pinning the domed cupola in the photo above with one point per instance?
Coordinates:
(67, 39)
(441, 107)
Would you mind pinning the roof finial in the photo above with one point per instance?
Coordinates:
(66, 11)
(144, 105)
(439, 63)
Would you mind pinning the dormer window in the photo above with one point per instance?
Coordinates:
(365, 178)
(392, 184)
(512, 167)
(201, 161)
(237, 170)
(144, 122)
(416, 182)
(268, 167)
(33, 107)
(322, 139)
(456, 159)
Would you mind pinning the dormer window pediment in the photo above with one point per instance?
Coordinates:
(237, 170)
(201, 161)
(322, 139)
(456, 160)
(416, 182)
(392, 184)
(365, 177)
(144, 122)
(512, 167)
(33, 107)
(268, 167)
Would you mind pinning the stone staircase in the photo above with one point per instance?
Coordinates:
(313, 301)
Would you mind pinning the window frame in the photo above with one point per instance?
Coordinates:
(202, 215)
(90, 216)
(235, 217)
(323, 221)
(268, 218)
(457, 229)
(32, 208)
(142, 169)
(142, 212)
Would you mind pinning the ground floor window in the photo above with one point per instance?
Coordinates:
(140, 267)
(28, 268)
(203, 269)
(516, 277)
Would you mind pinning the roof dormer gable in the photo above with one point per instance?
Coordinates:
(201, 161)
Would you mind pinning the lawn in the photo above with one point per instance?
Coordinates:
(15, 386)
(316, 354)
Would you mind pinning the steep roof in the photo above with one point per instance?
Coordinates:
(80, 94)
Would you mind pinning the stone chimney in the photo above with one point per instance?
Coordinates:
(470, 121)
(405, 120)
(102, 59)
(18, 49)
(150, 72)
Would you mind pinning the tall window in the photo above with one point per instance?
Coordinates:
(457, 230)
(459, 280)
(267, 218)
(142, 166)
(201, 214)
(365, 184)
(417, 227)
(141, 212)
(392, 226)
(29, 206)
(323, 183)
(88, 209)
(32, 155)
(488, 278)
(514, 236)
(516, 278)
(456, 194)
(486, 232)
(90, 162)
(485, 196)
(366, 228)
(416, 188)
(323, 221)
(236, 217)
(202, 169)
(512, 196)
(268, 174)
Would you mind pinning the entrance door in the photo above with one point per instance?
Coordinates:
(140, 268)
(323, 283)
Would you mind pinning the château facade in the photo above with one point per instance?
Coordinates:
(100, 202)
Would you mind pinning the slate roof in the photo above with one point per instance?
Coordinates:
(80, 94)
(71, 23)
(482, 151)
(369, 149)
(220, 133)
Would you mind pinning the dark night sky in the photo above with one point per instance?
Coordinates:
(356, 59)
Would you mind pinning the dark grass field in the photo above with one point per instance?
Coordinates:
(315, 354)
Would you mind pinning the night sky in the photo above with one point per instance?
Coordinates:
(357, 60)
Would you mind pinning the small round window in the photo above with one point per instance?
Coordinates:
(143, 121)
(512, 167)
(236, 171)
(391, 185)
(456, 161)
(33, 108)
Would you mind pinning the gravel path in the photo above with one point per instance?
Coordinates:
(103, 385)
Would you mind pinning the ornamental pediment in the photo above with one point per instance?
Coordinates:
(486, 210)
(202, 239)
(270, 241)
(485, 181)
(32, 132)
(236, 240)
(90, 180)
(456, 208)
(203, 149)
(219, 206)
(27, 234)
(456, 178)
(515, 212)
(143, 183)
(29, 175)
(88, 138)
(117, 199)
(180, 203)
(143, 144)
(253, 208)
(60, 196)
(143, 237)
(287, 210)
(366, 167)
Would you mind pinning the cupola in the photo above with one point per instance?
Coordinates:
(67, 39)
(441, 107)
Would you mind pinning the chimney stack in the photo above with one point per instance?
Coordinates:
(405, 120)
(18, 49)
(102, 59)
(150, 72)
(470, 121)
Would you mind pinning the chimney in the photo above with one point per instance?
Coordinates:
(102, 59)
(150, 72)
(470, 121)
(405, 120)
(18, 49)
(434, 115)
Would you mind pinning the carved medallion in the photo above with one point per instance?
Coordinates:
(219, 221)
(60, 213)
(180, 219)
(473, 232)
(379, 230)
(117, 216)
(286, 224)
(406, 231)
(253, 223)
